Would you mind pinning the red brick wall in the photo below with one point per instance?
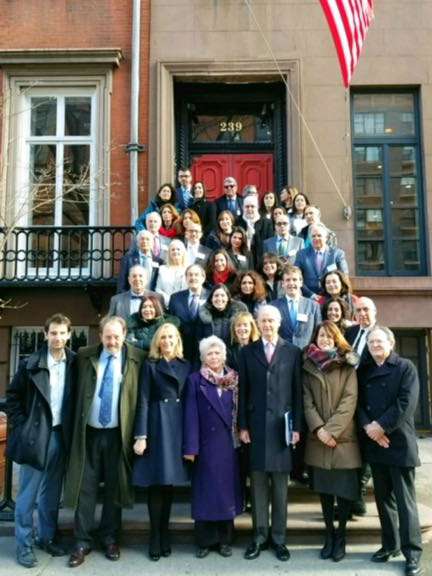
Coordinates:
(91, 24)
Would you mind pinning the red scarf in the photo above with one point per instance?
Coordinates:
(221, 277)
(168, 232)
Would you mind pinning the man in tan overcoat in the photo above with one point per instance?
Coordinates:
(103, 437)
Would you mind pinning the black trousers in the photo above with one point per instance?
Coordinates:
(208, 534)
(103, 452)
(395, 498)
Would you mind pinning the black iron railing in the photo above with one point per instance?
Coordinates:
(62, 254)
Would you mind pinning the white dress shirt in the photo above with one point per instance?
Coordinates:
(95, 407)
(57, 374)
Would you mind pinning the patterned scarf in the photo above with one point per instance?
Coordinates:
(227, 381)
(325, 360)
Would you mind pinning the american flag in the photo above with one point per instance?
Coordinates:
(349, 21)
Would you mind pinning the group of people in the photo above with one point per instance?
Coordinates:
(233, 354)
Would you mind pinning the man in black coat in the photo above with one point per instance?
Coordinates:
(388, 396)
(356, 336)
(40, 404)
(269, 389)
(185, 305)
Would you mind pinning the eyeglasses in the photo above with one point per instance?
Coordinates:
(281, 223)
(229, 185)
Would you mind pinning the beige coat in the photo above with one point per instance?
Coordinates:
(330, 400)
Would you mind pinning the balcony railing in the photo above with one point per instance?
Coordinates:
(68, 255)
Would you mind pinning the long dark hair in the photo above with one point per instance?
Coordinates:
(259, 292)
(209, 302)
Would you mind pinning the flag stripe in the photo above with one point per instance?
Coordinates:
(348, 21)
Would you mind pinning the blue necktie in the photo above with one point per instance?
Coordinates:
(292, 312)
(106, 392)
(231, 205)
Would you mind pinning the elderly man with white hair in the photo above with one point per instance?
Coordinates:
(140, 253)
(210, 441)
(388, 397)
(270, 396)
(318, 259)
(257, 227)
(160, 243)
(128, 303)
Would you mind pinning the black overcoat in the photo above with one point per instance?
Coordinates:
(389, 394)
(267, 392)
(29, 412)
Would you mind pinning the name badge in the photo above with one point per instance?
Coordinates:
(331, 268)
(164, 247)
(292, 252)
(155, 264)
(238, 212)
(241, 258)
(302, 317)
(200, 255)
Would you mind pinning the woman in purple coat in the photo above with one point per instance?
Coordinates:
(210, 442)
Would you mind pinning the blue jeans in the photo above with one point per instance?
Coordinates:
(44, 486)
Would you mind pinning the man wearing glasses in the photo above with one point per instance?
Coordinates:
(230, 201)
(283, 244)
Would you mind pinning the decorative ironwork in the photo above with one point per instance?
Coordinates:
(65, 255)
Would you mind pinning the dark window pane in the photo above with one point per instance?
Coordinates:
(405, 227)
(377, 115)
(42, 184)
(43, 116)
(77, 116)
(76, 185)
(370, 257)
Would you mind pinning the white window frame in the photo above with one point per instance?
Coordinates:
(92, 70)
(25, 140)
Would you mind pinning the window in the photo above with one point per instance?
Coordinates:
(411, 344)
(28, 339)
(56, 180)
(388, 185)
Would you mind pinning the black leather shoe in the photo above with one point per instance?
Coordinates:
(413, 568)
(338, 553)
(112, 551)
(78, 556)
(202, 552)
(252, 551)
(225, 550)
(51, 547)
(326, 551)
(281, 552)
(383, 555)
(359, 508)
(165, 552)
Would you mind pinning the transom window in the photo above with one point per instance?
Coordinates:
(387, 185)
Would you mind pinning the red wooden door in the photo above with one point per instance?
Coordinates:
(245, 168)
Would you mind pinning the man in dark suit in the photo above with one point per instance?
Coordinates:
(319, 259)
(300, 316)
(356, 336)
(196, 252)
(40, 407)
(103, 438)
(184, 191)
(185, 304)
(388, 396)
(269, 390)
(141, 253)
(283, 244)
(230, 201)
(128, 303)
